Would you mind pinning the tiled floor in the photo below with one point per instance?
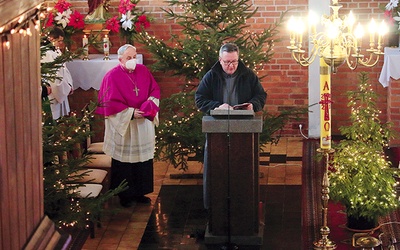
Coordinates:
(145, 226)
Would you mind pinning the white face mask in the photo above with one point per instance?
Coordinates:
(131, 64)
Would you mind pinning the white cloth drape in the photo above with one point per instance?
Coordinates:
(391, 66)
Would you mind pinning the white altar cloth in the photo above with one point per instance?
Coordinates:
(391, 66)
(89, 74)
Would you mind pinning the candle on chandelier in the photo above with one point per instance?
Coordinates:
(312, 20)
(383, 29)
(106, 44)
(358, 34)
(372, 30)
(300, 30)
(325, 105)
(292, 27)
(350, 22)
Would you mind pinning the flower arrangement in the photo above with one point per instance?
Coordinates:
(63, 17)
(131, 21)
(392, 13)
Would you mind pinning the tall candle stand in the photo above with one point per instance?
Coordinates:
(324, 243)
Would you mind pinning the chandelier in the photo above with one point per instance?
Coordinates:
(340, 42)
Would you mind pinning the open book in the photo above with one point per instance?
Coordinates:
(242, 106)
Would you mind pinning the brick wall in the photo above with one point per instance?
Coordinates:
(287, 82)
(393, 109)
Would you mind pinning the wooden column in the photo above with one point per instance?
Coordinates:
(21, 168)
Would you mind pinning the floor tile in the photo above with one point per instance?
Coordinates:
(174, 222)
(294, 147)
(282, 205)
(280, 148)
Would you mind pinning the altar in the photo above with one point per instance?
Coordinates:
(391, 66)
(88, 74)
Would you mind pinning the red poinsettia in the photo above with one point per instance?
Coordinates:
(50, 20)
(62, 5)
(125, 6)
(76, 20)
(142, 22)
(130, 22)
(64, 17)
(112, 24)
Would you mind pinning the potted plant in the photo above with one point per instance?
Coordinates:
(361, 176)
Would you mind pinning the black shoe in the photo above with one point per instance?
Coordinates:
(142, 199)
(127, 203)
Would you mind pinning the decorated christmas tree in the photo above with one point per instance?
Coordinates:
(206, 25)
(64, 160)
(361, 178)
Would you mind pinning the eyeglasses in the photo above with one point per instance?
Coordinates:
(228, 63)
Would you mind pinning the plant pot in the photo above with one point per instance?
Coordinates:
(360, 224)
(393, 154)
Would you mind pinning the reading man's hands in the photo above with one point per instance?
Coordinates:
(224, 106)
(243, 106)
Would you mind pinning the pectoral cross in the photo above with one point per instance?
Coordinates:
(136, 90)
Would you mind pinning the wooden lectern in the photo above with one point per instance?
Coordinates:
(233, 163)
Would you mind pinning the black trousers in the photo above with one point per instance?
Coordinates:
(139, 176)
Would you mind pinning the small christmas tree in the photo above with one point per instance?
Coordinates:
(361, 177)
